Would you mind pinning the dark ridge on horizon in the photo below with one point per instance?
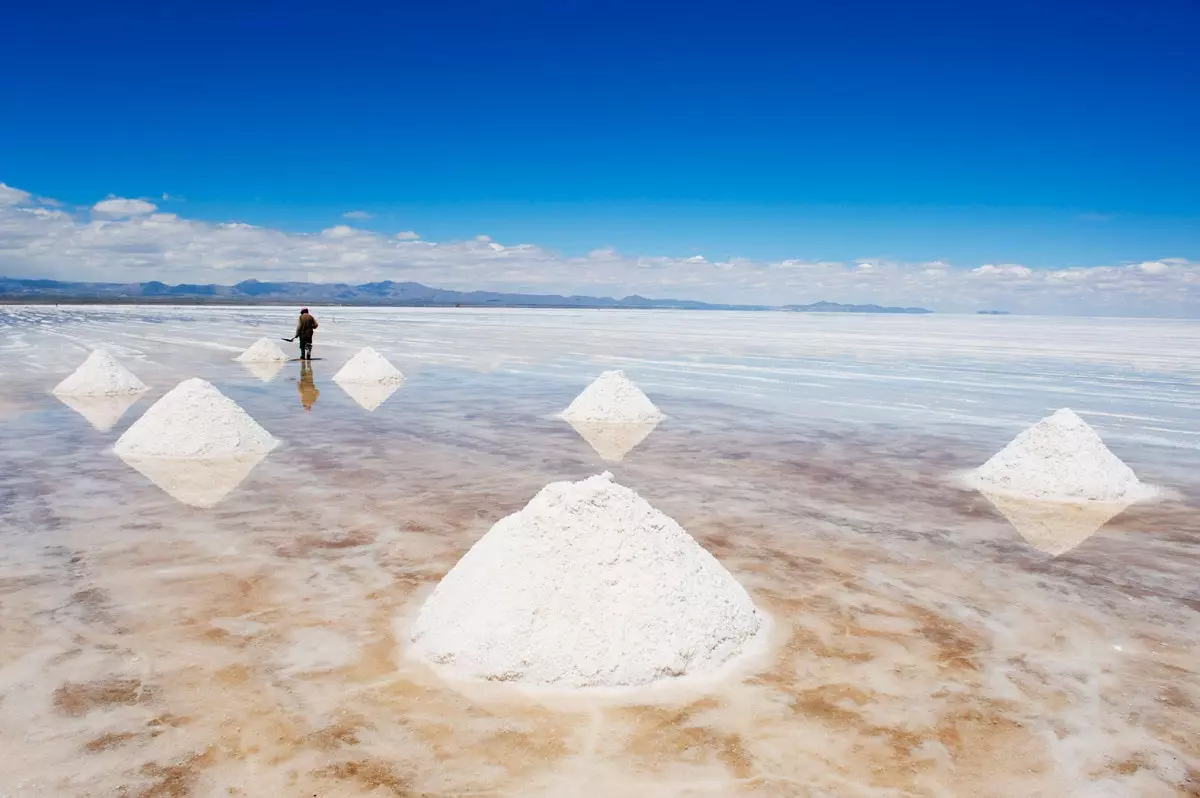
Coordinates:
(381, 294)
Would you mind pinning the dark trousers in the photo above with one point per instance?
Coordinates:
(306, 349)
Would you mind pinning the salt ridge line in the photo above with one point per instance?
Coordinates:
(100, 375)
(587, 586)
(194, 420)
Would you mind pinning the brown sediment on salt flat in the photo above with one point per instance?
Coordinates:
(924, 646)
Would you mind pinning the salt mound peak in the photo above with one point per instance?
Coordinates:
(264, 350)
(368, 366)
(100, 375)
(612, 397)
(194, 419)
(1060, 458)
(586, 586)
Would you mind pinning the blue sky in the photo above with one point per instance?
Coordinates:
(1052, 135)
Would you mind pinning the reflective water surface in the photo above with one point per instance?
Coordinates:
(239, 629)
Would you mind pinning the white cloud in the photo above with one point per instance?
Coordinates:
(407, 235)
(143, 244)
(1005, 270)
(119, 207)
(358, 215)
(483, 239)
(13, 196)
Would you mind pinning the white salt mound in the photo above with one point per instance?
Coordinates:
(612, 398)
(194, 419)
(264, 350)
(368, 366)
(100, 375)
(1060, 458)
(586, 586)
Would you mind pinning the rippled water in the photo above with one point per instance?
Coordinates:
(239, 630)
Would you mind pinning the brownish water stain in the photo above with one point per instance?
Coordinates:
(371, 774)
(107, 742)
(77, 699)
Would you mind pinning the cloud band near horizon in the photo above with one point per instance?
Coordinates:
(130, 240)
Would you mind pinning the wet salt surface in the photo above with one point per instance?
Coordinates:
(925, 646)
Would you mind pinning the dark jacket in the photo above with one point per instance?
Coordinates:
(305, 327)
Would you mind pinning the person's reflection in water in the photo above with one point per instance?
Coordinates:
(308, 391)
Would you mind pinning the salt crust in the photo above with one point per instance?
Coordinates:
(587, 586)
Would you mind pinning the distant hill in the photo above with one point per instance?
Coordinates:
(834, 307)
(386, 293)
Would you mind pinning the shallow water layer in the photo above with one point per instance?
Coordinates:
(241, 630)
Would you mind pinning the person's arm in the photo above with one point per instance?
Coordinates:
(298, 324)
(315, 325)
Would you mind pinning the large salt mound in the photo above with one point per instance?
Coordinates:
(368, 366)
(194, 419)
(612, 398)
(100, 375)
(264, 350)
(586, 586)
(1060, 458)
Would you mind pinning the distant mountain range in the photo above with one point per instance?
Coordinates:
(386, 293)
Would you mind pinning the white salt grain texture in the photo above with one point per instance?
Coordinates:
(612, 398)
(264, 350)
(1060, 458)
(369, 367)
(194, 419)
(100, 375)
(586, 586)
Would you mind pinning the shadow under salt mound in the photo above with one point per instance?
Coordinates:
(369, 396)
(102, 412)
(1054, 527)
(265, 370)
(200, 482)
(612, 441)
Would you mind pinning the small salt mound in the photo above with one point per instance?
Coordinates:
(100, 375)
(586, 586)
(368, 366)
(264, 350)
(1060, 458)
(612, 398)
(194, 419)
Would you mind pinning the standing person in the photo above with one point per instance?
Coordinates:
(304, 331)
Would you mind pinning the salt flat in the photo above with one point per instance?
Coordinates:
(929, 642)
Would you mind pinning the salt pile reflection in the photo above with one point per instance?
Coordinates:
(612, 441)
(201, 482)
(265, 370)
(1051, 526)
(102, 412)
(369, 396)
